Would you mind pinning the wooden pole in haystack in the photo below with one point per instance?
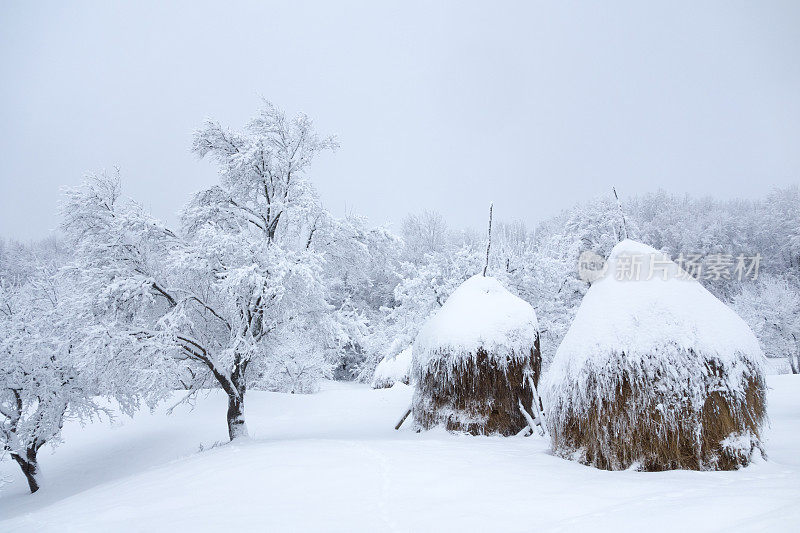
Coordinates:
(621, 213)
(489, 243)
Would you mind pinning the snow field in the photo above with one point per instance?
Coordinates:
(331, 461)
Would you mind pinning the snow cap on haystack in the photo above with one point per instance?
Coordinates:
(655, 372)
(480, 315)
(472, 360)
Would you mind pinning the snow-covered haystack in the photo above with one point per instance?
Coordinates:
(655, 374)
(471, 361)
(392, 370)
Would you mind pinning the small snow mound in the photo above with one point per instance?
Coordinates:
(394, 369)
(481, 313)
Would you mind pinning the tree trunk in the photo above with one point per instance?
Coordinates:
(29, 466)
(236, 426)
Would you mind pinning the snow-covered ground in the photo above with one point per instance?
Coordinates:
(331, 461)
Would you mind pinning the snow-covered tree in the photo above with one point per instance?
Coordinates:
(771, 307)
(360, 273)
(599, 226)
(237, 294)
(44, 379)
(423, 289)
(779, 225)
(424, 234)
(36, 380)
(548, 279)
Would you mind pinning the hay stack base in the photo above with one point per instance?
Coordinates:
(638, 426)
(479, 397)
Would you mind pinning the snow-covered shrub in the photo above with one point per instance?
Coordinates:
(472, 360)
(391, 370)
(655, 373)
(295, 373)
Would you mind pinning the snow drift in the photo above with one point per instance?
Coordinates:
(471, 361)
(655, 373)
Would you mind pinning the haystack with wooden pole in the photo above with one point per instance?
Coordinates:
(655, 373)
(476, 362)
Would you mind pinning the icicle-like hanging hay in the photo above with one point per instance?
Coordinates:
(655, 374)
(638, 424)
(478, 396)
(471, 361)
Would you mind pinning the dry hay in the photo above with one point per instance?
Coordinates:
(643, 428)
(478, 394)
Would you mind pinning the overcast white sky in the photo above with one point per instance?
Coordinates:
(443, 106)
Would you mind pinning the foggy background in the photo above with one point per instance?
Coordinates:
(444, 106)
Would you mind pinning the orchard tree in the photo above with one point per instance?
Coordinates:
(237, 295)
(36, 380)
(43, 378)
